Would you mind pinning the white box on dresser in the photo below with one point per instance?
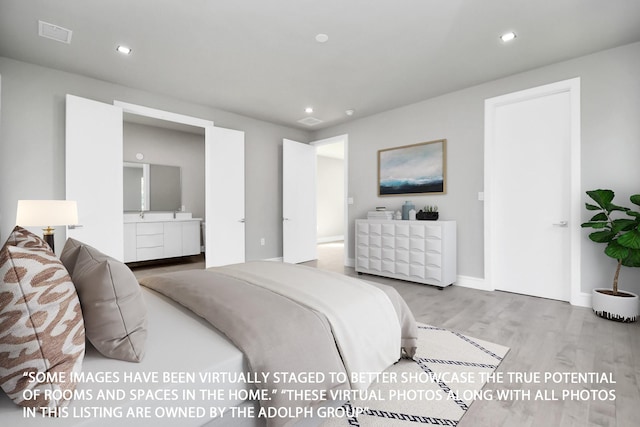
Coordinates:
(417, 251)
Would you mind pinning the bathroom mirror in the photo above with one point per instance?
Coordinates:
(149, 187)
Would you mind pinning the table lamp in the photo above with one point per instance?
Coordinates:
(49, 213)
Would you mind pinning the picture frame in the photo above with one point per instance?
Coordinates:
(413, 169)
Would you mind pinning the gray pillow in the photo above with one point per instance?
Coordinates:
(113, 308)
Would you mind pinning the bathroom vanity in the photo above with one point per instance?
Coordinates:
(158, 235)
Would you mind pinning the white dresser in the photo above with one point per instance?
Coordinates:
(418, 251)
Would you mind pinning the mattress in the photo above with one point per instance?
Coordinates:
(180, 346)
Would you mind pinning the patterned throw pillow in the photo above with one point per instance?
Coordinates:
(23, 238)
(41, 326)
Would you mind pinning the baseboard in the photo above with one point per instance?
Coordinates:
(330, 239)
(278, 259)
(351, 262)
(583, 299)
(472, 282)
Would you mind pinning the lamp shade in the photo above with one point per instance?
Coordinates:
(49, 213)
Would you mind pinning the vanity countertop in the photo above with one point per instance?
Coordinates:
(131, 217)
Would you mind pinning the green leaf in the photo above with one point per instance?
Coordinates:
(602, 236)
(630, 239)
(616, 251)
(632, 213)
(635, 199)
(623, 224)
(593, 224)
(633, 259)
(611, 207)
(599, 217)
(591, 207)
(602, 197)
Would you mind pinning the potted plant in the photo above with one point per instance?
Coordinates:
(622, 237)
(428, 213)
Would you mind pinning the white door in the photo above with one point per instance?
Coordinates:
(93, 158)
(529, 209)
(299, 212)
(224, 173)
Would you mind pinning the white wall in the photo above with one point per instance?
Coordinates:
(32, 146)
(330, 196)
(610, 151)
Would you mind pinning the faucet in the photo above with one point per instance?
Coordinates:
(142, 214)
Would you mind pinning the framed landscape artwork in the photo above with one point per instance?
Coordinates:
(413, 169)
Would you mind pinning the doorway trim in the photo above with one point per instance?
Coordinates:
(572, 86)
(345, 140)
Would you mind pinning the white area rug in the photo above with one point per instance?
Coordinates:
(436, 388)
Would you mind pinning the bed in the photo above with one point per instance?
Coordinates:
(177, 341)
(273, 330)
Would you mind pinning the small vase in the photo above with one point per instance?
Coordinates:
(408, 205)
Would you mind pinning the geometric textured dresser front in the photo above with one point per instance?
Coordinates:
(417, 251)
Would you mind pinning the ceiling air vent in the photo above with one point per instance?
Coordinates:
(310, 121)
(54, 32)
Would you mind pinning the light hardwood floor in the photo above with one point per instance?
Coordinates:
(544, 336)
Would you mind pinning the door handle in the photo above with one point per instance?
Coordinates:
(561, 224)
(74, 226)
(242, 220)
(286, 219)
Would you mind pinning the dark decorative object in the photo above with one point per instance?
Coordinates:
(429, 213)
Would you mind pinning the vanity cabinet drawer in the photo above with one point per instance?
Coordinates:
(150, 241)
(149, 228)
(145, 254)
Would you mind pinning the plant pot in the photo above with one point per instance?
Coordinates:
(430, 216)
(622, 308)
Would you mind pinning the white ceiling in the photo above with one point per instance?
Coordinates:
(259, 58)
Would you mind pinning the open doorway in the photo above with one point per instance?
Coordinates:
(164, 171)
(331, 201)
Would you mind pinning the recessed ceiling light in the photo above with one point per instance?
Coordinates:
(124, 50)
(350, 112)
(308, 110)
(322, 38)
(507, 37)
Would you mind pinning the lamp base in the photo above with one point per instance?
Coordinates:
(48, 237)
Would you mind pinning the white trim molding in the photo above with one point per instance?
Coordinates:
(472, 282)
(162, 115)
(330, 239)
(583, 299)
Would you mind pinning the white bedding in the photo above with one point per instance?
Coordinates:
(178, 341)
(368, 343)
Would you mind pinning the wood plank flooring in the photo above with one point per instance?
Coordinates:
(545, 336)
